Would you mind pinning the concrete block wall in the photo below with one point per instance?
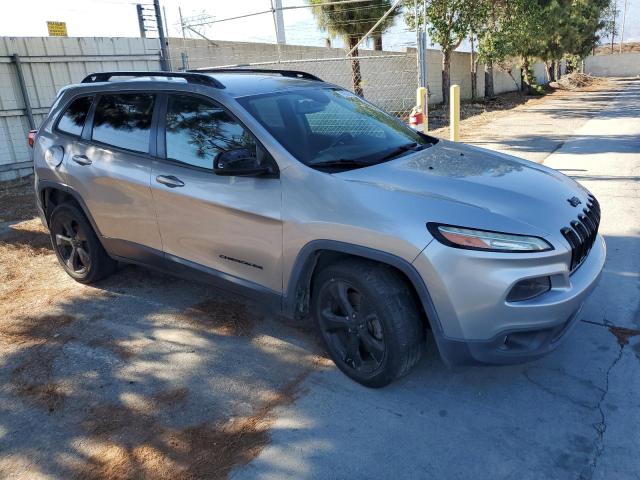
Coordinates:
(616, 65)
(540, 74)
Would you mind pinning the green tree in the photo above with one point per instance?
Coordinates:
(569, 30)
(493, 42)
(608, 18)
(449, 22)
(351, 22)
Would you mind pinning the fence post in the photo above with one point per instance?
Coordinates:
(421, 103)
(15, 58)
(185, 61)
(454, 113)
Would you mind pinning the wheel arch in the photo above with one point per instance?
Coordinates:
(51, 194)
(314, 255)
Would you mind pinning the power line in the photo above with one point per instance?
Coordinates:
(272, 10)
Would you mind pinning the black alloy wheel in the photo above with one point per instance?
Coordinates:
(351, 327)
(369, 320)
(76, 245)
(71, 244)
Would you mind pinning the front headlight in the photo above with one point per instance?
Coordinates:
(471, 239)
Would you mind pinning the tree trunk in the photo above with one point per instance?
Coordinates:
(613, 28)
(558, 69)
(474, 72)
(488, 80)
(446, 76)
(568, 68)
(525, 85)
(356, 75)
(377, 41)
(549, 68)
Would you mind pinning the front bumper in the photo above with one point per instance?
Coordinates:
(475, 322)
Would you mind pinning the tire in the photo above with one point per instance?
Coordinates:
(369, 321)
(76, 245)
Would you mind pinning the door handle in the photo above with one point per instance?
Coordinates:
(81, 160)
(170, 181)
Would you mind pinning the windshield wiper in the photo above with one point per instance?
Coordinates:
(341, 162)
(394, 152)
(369, 159)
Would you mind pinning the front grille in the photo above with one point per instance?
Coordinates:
(582, 232)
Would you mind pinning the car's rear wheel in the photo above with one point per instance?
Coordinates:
(369, 321)
(76, 245)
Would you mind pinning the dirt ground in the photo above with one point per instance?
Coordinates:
(140, 376)
(474, 114)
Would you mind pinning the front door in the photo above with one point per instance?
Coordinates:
(232, 225)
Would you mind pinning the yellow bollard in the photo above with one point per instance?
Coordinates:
(454, 113)
(423, 105)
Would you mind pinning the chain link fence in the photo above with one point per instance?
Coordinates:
(386, 80)
(386, 77)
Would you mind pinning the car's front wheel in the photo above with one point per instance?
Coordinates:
(76, 245)
(369, 321)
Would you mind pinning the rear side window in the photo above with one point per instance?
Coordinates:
(72, 121)
(198, 131)
(124, 120)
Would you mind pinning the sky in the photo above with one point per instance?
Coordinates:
(117, 18)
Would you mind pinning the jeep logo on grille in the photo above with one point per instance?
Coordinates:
(574, 201)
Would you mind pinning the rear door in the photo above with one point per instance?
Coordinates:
(109, 165)
(230, 224)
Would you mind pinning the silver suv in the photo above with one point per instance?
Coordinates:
(306, 197)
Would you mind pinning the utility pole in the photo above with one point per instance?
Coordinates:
(164, 60)
(181, 22)
(425, 53)
(143, 32)
(164, 21)
(418, 43)
(278, 18)
(624, 18)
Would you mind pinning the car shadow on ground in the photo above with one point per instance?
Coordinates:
(142, 374)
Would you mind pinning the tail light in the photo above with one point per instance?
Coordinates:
(32, 137)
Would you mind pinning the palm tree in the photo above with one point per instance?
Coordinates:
(352, 21)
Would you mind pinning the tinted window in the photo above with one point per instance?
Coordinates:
(75, 115)
(198, 131)
(124, 120)
(320, 125)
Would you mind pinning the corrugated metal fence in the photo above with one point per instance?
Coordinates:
(48, 64)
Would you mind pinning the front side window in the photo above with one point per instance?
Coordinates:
(72, 121)
(197, 131)
(124, 120)
(330, 126)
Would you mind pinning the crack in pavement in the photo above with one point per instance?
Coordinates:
(622, 334)
(601, 427)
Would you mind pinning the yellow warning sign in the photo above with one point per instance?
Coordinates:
(57, 29)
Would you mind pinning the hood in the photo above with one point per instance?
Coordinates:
(482, 180)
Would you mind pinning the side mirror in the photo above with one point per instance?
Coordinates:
(239, 163)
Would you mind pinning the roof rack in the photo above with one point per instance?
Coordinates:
(190, 77)
(240, 69)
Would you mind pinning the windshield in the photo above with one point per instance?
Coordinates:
(332, 126)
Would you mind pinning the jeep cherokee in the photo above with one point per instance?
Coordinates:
(300, 194)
